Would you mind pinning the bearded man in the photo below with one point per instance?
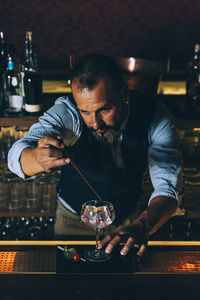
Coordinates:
(107, 135)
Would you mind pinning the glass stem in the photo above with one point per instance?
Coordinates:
(97, 238)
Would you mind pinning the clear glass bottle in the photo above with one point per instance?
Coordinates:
(3, 55)
(32, 79)
(193, 79)
(33, 195)
(16, 191)
(14, 101)
(47, 183)
(3, 63)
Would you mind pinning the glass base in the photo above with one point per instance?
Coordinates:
(96, 255)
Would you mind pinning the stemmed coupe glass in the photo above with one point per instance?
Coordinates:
(97, 214)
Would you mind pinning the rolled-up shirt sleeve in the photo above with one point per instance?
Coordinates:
(14, 156)
(164, 157)
(61, 119)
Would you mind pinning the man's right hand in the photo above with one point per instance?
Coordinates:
(49, 154)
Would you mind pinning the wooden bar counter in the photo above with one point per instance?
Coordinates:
(30, 270)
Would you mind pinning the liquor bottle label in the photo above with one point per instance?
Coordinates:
(22, 84)
(14, 81)
(15, 102)
(33, 107)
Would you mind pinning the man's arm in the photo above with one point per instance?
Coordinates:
(40, 149)
(158, 212)
(165, 166)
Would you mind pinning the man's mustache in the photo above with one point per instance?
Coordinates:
(107, 127)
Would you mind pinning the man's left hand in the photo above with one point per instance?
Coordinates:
(132, 236)
(136, 235)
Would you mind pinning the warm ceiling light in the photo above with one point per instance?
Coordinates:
(131, 65)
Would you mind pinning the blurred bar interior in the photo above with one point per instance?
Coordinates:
(153, 43)
(152, 47)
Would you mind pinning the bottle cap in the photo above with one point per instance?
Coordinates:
(10, 65)
(29, 34)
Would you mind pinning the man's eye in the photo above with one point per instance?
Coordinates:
(106, 109)
(84, 112)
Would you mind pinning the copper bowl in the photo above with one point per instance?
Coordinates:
(132, 64)
(141, 74)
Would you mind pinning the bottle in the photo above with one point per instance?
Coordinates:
(171, 231)
(188, 233)
(2, 102)
(193, 80)
(72, 59)
(32, 79)
(13, 94)
(3, 63)
(3, 55)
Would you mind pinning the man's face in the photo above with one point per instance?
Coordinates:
(101, 108)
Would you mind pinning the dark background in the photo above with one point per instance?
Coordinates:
(152, 29)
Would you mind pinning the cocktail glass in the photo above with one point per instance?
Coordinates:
(97, 214)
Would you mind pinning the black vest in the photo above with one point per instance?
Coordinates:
(121, 187)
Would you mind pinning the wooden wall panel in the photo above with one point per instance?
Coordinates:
(142, 28)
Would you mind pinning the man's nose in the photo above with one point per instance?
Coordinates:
(96, 121)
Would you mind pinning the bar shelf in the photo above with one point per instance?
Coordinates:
(182, 123)
(18, 121)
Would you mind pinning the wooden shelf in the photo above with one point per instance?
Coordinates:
(18, 121)
(191, 163)
(24, 213)
(184, 123)
(3, 165)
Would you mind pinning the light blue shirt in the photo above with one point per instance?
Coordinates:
(164, 157)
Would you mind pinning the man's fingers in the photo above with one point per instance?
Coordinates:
(49, 141)
(111, 241)
(141, 251)
(127, 247)
(115, 241)
(51, 153)
(130, 244)
(60, 138)
(56, 163)
(105, 240)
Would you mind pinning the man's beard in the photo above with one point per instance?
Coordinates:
(111, 138)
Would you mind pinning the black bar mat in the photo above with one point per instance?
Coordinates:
(116, 264)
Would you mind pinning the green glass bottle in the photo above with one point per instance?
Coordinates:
(32, 79)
